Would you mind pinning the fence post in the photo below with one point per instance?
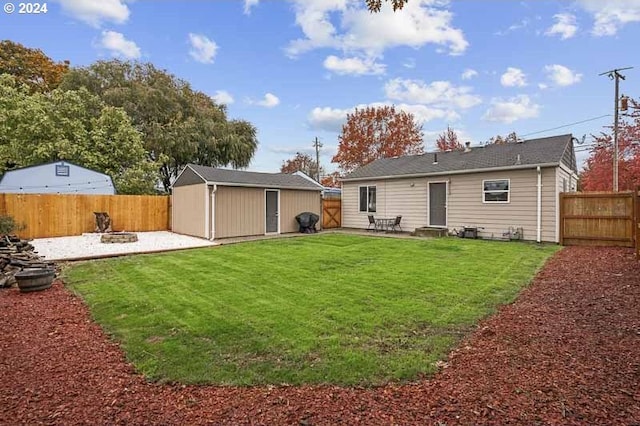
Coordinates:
(562, 195)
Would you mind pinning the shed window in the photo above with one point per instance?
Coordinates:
(495, 191)
(368, 199)
(62, 170)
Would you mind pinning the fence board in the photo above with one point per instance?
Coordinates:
(57, 215)
(331, 213)
(597, 219)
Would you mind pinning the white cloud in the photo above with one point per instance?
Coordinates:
(441, 94)
(611, 15)
(524, 23)
(562, 76)
(223, 97)
(421, 22)
(354, 66)
(469, 73)
(510, 110)
(202, 49)
(95, 12)
(269, 101)
(248, 4)
(565, 26)
(119, 46)
(331, 119)
(328, 119)
(410, 63)
(513, 77)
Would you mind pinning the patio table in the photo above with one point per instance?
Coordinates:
(383, 223)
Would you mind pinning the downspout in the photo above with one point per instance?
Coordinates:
(212, 219)
(539, 206)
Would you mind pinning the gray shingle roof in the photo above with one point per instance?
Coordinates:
(262, 180)
(544, 151)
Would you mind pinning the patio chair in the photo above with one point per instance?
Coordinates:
(372, 222)
(396, 224)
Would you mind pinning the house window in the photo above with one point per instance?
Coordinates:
(62, 170)
(495, 191)
(368, 199)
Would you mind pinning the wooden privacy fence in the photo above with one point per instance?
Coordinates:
(57, 215)
(598, 219)
(331, 213)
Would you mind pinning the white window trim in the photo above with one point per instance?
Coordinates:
(508, 191)
(367, 186)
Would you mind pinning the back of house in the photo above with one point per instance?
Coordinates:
(507, 190)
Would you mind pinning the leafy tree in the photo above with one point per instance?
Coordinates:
(376, 5)
(31, 66)
(179, 125)
(76, 126)
(377, 132)
(448, 141)
(332, 180)
(303, 163)
(500, 140)
(598, 172)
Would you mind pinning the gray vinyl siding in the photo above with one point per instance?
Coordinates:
(394, 197)
(465, 207)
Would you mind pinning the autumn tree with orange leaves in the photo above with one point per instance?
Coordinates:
(332, 180)
(301, 163)
(31, 66)
(376, 5)
(448, 141)
(377, 132)
(598, 172)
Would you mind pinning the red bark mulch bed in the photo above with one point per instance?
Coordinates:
(567, 351)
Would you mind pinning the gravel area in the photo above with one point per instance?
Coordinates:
(89, 245)
(565, 352)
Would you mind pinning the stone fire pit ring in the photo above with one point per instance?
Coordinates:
(119, 237)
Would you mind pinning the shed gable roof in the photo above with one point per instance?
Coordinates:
(242, 178)
(543, 151)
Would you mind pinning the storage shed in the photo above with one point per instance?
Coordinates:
(216, 203)
(60, 177)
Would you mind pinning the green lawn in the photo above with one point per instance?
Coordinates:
(333, 308)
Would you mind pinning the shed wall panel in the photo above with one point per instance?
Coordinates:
(292, 203)
(239, 212)
(188, 209)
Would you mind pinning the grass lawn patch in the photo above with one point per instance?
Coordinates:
(331, 308)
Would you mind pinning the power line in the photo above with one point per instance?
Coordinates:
(568, 125)
(62, 185)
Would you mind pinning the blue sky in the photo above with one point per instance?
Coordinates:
(294, 68)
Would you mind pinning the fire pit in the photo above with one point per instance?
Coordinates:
(119, 237)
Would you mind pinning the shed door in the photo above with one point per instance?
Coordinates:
(271, 211)
(438, 204)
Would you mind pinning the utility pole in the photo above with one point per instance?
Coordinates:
(615, 75)
(317, 145)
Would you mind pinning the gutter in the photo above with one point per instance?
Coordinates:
(539, 206)
(253, 185)
(454, 172)
(212, 215)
